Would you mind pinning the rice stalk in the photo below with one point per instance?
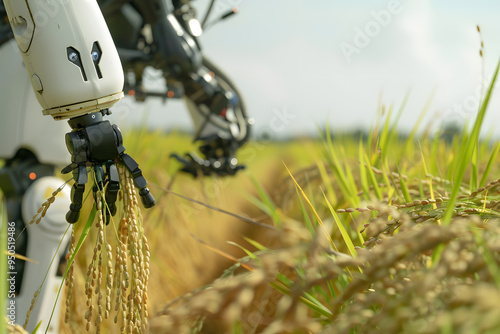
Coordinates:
(45, 206)
(116, 280)
(466, 153)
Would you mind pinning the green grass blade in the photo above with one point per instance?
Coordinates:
(458, 142)
(343, 232)
(264, 196)
(426, 173)
(434, 168)
(385, 172)
(310, 224)
(363, 176)
(249, 253)
(416, 126)
(394, 187)
(491, 161)
(316, 305)
(467, 153)
(256, 244)
(327, 182)
(37, 328)
(312, 303)
(373, 179)
(373, 136)
(268, 205)
(270, 211)
(404, 188)
(312, 209)
(353, 188)
(336, 167)
(488, 257)
(237, 328)
(473, 170)
(385, 134)
(394, 125)
(79, 244)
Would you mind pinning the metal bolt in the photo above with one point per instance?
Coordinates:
(95, 55)
(73, 56)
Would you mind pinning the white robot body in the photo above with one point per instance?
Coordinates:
(22, 126)
(70, 56)
(43, 243)
(203, 129)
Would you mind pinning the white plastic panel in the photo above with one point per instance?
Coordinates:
(22, 123)
(43, 243)
(60, 25)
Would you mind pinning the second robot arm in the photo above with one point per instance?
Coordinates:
(164, 35)
(77, 75)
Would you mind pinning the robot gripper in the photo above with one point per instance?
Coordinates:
(98, 144)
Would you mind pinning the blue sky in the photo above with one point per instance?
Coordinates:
(288, 57)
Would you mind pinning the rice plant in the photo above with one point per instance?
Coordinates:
(368, 240)
(378, 234)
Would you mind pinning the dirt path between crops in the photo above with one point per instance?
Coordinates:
(188, 238)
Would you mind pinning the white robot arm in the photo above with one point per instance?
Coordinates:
(76, 74)
(31, 145)
(165, 34)
(69, 54)
(22, 126)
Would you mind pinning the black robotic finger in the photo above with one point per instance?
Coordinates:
(80, 177)
(195, 165)
(76, 203)
(140, 182)
(97, 143)
(188, 166)
(112, 188)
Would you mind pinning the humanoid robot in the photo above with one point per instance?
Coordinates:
(80, 82)
(76, 75)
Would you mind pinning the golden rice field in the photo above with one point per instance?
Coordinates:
(186, 239)
(381, 234)
(359, 237)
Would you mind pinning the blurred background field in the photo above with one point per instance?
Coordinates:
(365, 206)
(180, 261)
(358, 240)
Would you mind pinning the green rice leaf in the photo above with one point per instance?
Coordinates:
(79, 244)
(466, 154)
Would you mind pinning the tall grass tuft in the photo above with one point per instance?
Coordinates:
(116, 278)
(383, 236)
(471, 145)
